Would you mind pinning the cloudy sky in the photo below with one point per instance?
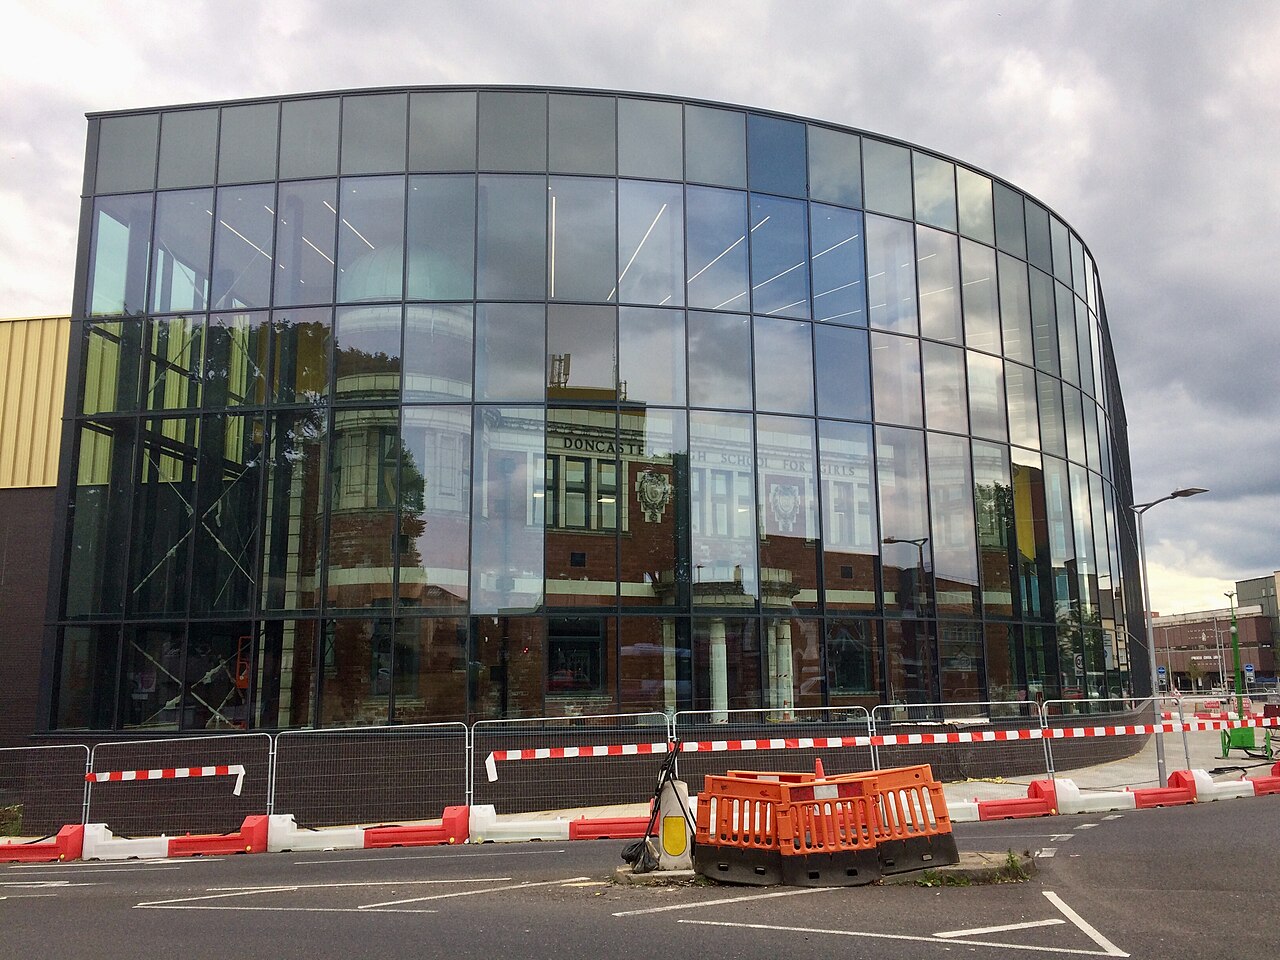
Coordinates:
(1152, 127)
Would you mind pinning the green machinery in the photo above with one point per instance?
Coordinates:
(1243, 738)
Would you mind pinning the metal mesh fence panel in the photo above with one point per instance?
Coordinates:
(524, 786)
(1072, 753)
(952, 762)
(189, 805)
(41, 788)
(370, 775)
(765, 724)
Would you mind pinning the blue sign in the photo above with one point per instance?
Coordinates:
(1160, 671)
(1248, 670)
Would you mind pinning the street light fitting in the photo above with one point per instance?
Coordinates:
(916, 542)
(1176, 495)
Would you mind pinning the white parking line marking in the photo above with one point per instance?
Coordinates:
(217, 896)
(716, 903)
(1079, 921)
(1046, 853)
(42, 884)
(1086, 826)
(902, 936)
(1061, 837)
(976, 931)
(83, 870)
(204, 906)
(374, 883)
(468, 893)
(1114, 816)
(442, 856)
(589, 883)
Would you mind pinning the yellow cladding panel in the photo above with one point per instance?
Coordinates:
(33, 376)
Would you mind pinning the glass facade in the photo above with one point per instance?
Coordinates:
(431, 405)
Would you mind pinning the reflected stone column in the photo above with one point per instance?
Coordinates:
(785, 692)
(669, 665)
(719, 673)
(772, 700)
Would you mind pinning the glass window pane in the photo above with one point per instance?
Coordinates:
(784, 366)
(717, 251)
(1084, 349)
(306, 226)
(512, 131)
(854, 663)
(371, 239)
(911, 650)
(511, 239)
(719, 361)
(886, 174)
(939, 269)
(429, 683)
(843, 373)
(904, 518)
(582, 507)
(977, 218)
(650, 139)
(374, 133)
(303, 343)
(1038, 246)
(119, 255)
(508, 493)
(654, 664)
(715, 146)
(1024, 423)
(891, 275)
(367, 353)
(308, 138)
(151, 698)
(651, 366)
(510, 351)
(997, 532)
(188, 148)
(227, 525)
(1010, 226)
(835, 167)
(284, 695)
(788, 497)
(981, 313)
(235, 366)
(1044, 322)
(355, 681)
(1053, 431)
(1061, 250)
(836, 263)
(935, 190)
(895, 377)
(1067, 348)
(162, 518)
(986, 397)
(583, 256)
(435, 508)
(960, 656)
(651, 243)
(508, 656)
(775, 154)
(581, 135)
(1015, 310)
(127, 153)
(442, 236)
(442, 131)
(113, 350)
(850, 533)
(655, 487)
(87, 684)
(242, 247)
(582, 361)
(247, 142)
(1073, 408)
(294, 517)
(954, 542)
(437, 352)
(722, 508)
(99, 519)
(172, 363)
(736, 680)
(779, 257)
(944, 388)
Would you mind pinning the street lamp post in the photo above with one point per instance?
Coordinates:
(1139, 509)
(1235, 654)
(918, 543)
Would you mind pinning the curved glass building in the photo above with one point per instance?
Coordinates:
(434, 404)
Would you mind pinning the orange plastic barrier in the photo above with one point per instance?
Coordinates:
(1170, 796)
(67, 845)
(1041, 801)
(452, 829)
(609, 828)
(1264, 786)
(251, 838)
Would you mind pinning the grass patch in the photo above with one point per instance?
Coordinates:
(1012, 870)
(11, 821)
(932, 878)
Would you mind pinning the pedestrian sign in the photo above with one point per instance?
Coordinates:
(1160, 671)
(1248, 670)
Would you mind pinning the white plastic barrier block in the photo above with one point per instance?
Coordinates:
(1071, 800)
(101, 844)
(485, 827)
(283, 833)
(963, 811)
(1209, 789)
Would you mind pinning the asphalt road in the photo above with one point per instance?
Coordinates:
(1186, 882)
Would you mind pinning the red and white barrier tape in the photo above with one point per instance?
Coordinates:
(888, 740)
(172, 773)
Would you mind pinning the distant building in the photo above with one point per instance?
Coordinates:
(1195, 648)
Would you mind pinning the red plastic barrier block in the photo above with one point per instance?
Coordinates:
(452, 829)
(1170, 796)
(1264, 786)
(1015, 809)
(1044, 790)
(67, 845)
(250, 838)
(1183, 780)
(609, 828)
